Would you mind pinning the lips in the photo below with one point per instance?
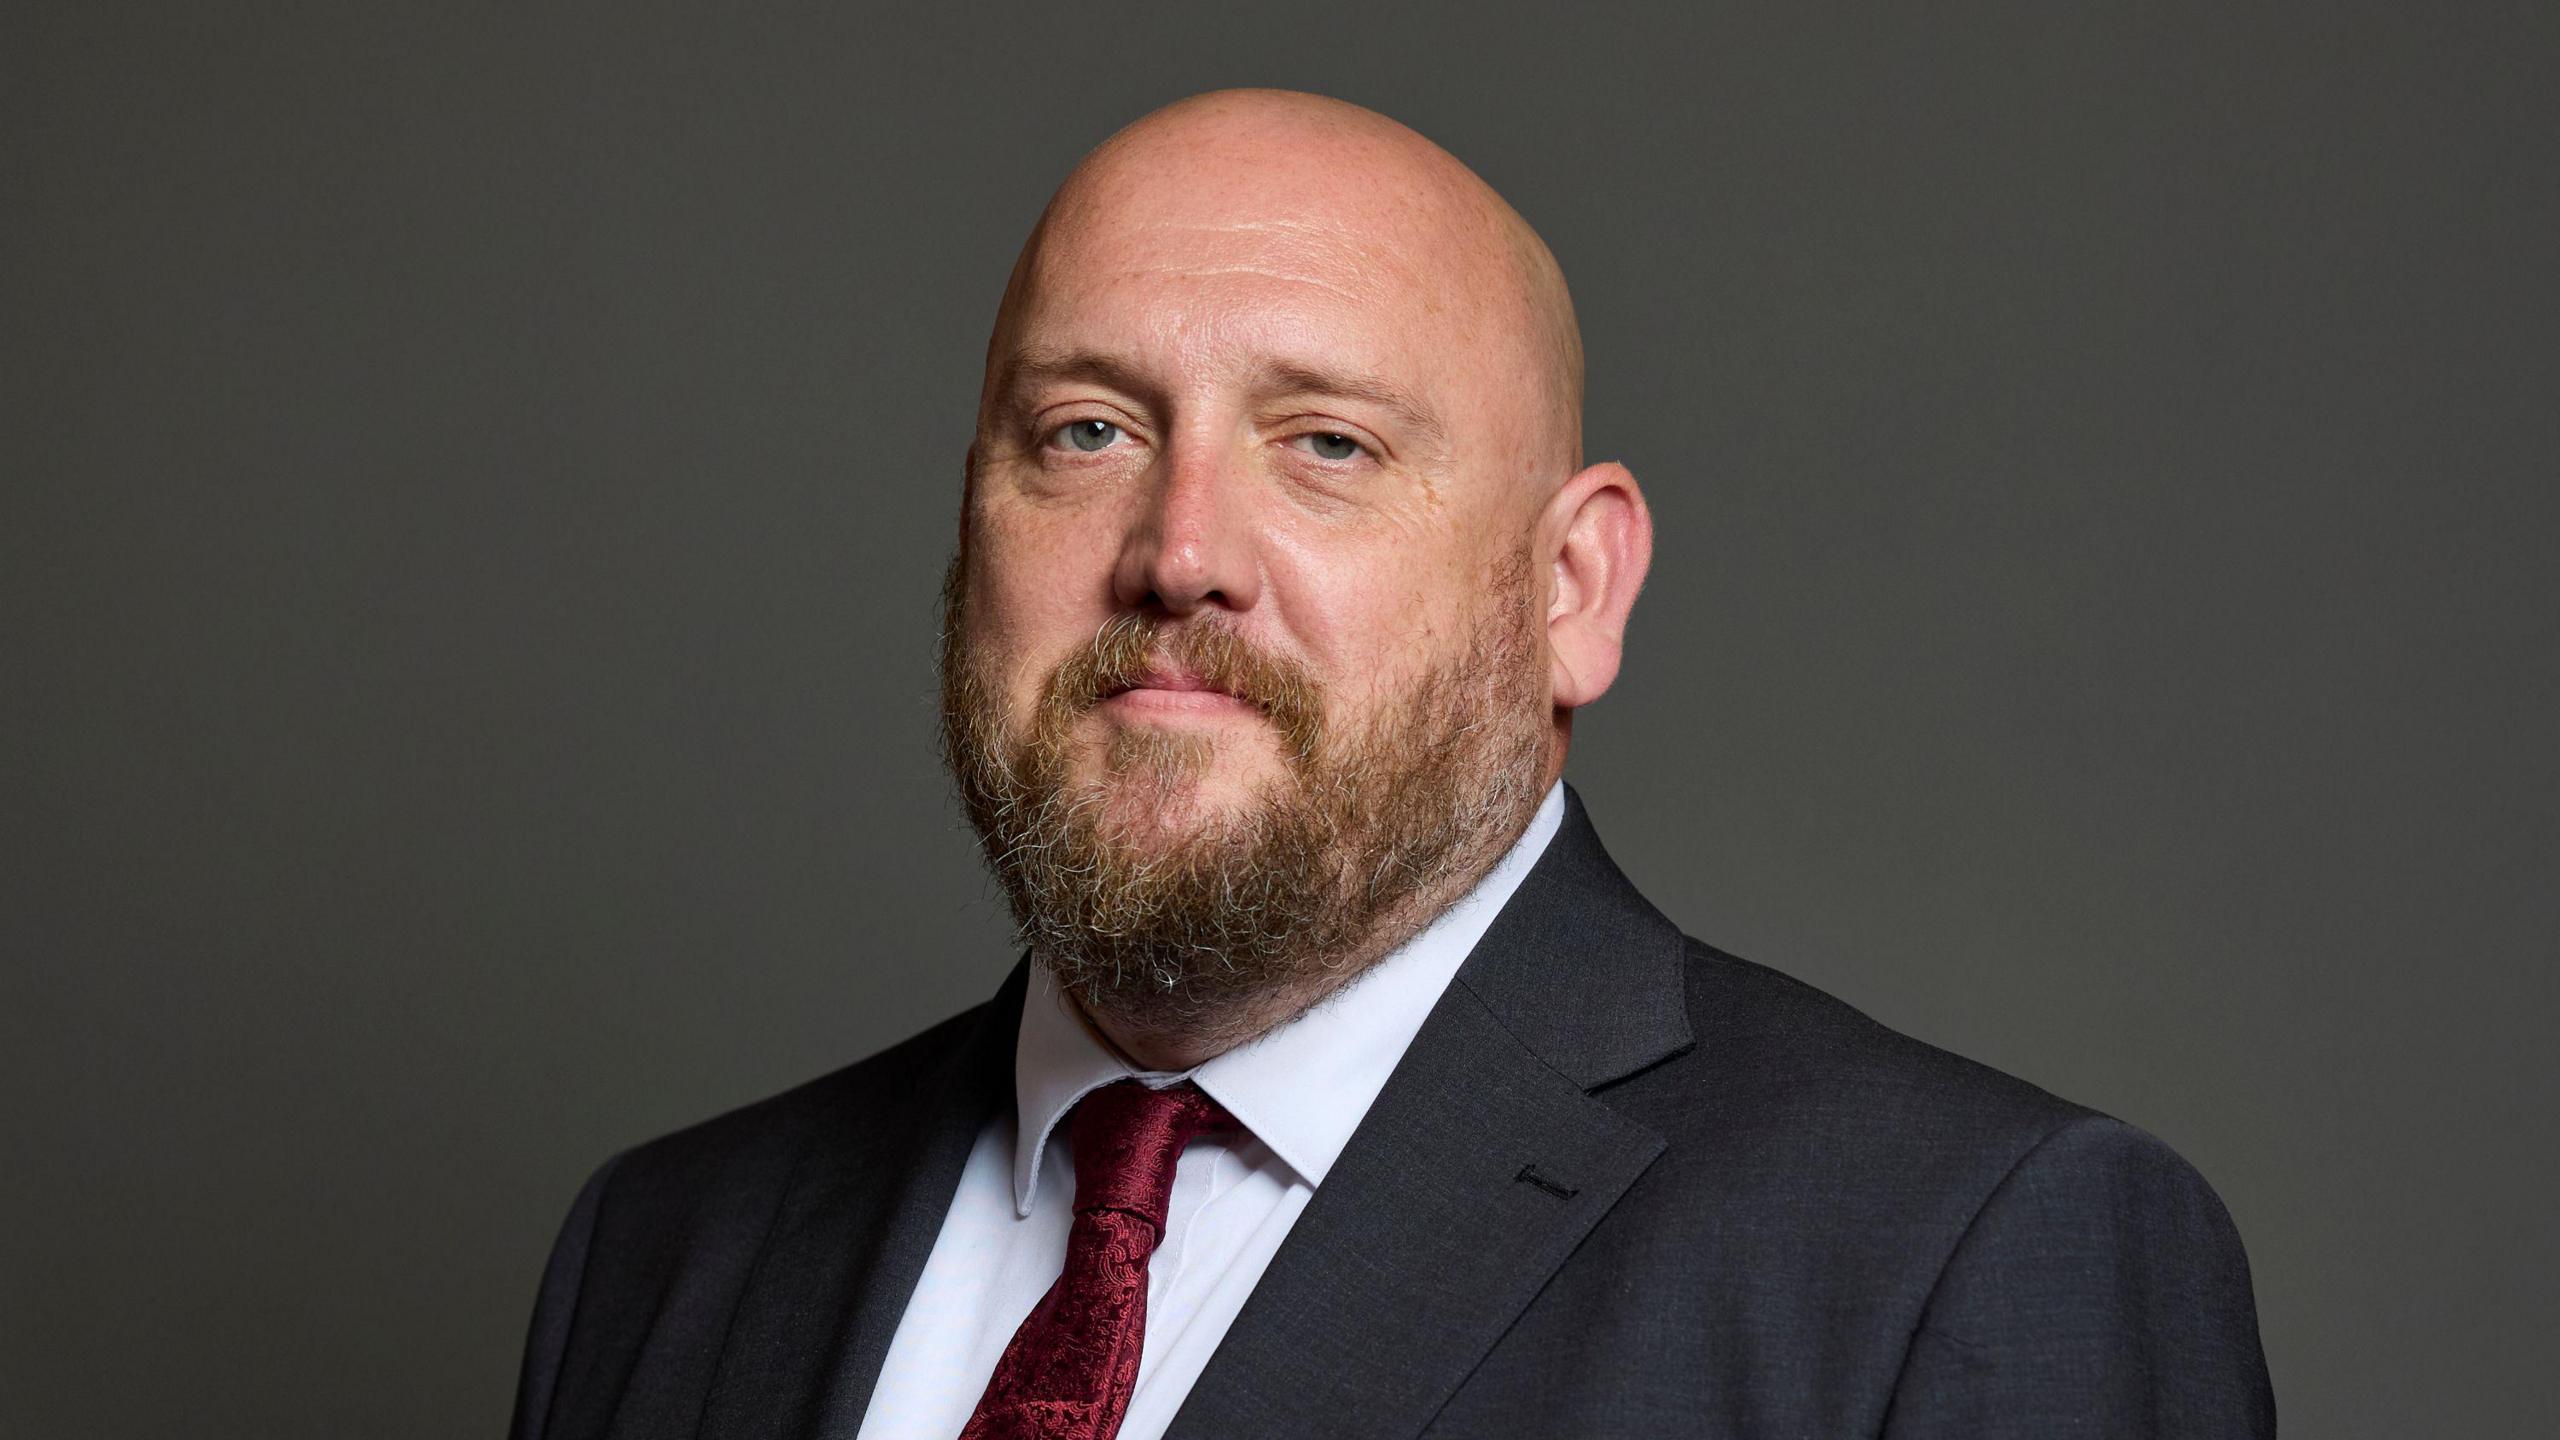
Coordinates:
(1176, 689)
(1169, 677)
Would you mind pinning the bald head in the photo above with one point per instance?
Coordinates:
(1310, 194)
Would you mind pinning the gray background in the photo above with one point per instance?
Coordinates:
(475, 486)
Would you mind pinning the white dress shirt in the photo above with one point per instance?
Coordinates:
(1299, 1090)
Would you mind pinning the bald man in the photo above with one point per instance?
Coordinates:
(1346, 1087)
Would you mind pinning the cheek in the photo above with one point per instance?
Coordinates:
(1038, 587)
(1031, 576)
(1012, 641)
(1061, 554)
(1372, 620)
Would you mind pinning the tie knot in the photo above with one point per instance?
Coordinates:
(1127, 1138)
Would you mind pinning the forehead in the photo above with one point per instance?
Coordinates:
(1211, 254)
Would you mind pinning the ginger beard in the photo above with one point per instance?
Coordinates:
(1149, 906)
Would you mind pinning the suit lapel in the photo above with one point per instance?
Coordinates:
(1423, 1243)
(851, 1237)
(1480, 1167)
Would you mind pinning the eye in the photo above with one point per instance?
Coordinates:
(1329, 445)
(1086, 435)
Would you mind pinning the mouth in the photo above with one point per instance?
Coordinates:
(1176, 690)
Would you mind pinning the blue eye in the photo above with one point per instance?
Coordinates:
(1325, 445)
(1088, 435)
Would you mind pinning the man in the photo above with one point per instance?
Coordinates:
(1348, 1088)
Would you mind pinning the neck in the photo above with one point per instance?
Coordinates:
(1148, 1047)
(1148, 1042)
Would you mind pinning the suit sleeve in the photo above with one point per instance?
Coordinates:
(2100, 1292)
(554, 1309)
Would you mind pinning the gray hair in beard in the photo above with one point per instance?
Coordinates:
(1369, 824)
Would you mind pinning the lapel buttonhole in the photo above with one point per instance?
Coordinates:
(1530, 1175)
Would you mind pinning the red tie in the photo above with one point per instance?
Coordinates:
(1068, 1371)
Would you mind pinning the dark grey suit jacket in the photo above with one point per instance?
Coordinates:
(1622, 1184)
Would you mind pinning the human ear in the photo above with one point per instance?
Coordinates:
(1601, 537)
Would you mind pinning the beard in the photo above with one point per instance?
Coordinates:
(1150, 906)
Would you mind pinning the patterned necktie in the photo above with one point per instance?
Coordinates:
(1068, 1371)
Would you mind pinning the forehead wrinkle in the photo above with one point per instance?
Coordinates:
(1263, 272)
(1330, 255)
(1277, 224)
(1327, 236)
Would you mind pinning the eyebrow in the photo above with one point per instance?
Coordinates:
(1277, 377)
(1028, 367)
(1289, 377)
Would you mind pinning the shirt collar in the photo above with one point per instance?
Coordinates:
(1301, 1088)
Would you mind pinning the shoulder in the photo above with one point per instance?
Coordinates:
(1833, 1160)
(1802, 1054)
(741, 1160)
(1805, 1107)
(665, 1236)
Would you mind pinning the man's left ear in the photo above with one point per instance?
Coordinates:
(1601, 535)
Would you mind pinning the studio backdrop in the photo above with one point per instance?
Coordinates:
(477, 478)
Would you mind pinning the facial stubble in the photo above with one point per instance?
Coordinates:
(1152, 908)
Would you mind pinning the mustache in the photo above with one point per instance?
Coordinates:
(1123, 651)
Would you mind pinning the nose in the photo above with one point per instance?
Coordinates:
(1191, 544)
